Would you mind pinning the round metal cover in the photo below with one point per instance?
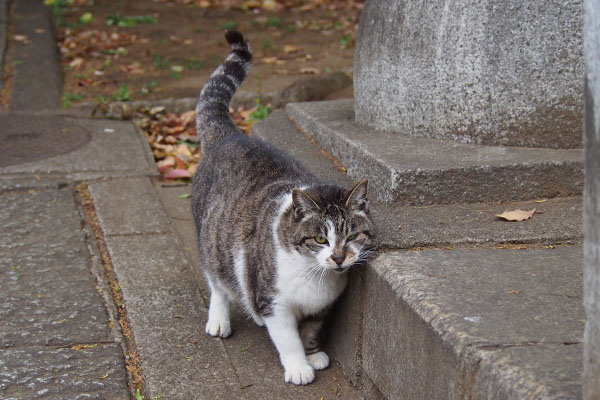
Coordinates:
(25, 138)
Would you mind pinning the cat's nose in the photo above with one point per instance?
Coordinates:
(338, 259)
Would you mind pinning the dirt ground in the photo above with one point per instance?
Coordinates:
(167, 49)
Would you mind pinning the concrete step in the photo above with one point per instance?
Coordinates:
(480, 308)
(420, 171)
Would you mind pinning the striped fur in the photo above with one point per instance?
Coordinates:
(212, 111)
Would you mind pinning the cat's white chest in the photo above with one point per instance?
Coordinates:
(305, 289)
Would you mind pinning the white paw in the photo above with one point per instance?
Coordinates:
(318, 360)
(300, 375)
(218, 328)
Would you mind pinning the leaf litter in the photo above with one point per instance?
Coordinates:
(173, 139)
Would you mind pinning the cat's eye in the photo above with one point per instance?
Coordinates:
(352, 237)
(320, 239)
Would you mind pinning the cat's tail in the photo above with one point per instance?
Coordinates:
(212, 111)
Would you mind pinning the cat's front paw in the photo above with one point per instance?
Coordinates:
(318, 360)
(300, 375)
(218, 328)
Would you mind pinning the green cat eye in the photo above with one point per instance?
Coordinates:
(320, 239)
(352, 237)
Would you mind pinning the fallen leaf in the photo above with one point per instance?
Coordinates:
(252, 4)
(269, 60)
(184, 196)
(289, 49)
(165, 164)
(309, 70)
(516, 215)
(192, 168)
(22, 39)
(541, 201)
(77, 62)
(133, 68)
(245, 348)
(177, 174)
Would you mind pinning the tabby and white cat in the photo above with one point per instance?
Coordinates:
(270, 234)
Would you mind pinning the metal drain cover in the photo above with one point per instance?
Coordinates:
(25, 138)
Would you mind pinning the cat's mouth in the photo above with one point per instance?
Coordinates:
(340, 269)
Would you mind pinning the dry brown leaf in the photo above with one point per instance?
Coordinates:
(22, 39)
(290, 48)
(133, 68)
(516, 215)
(269, 60)
(309, 70)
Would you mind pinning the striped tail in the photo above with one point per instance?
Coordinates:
(213, 122)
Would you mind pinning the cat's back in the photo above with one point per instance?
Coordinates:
(247, 171)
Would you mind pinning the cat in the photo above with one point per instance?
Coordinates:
(271, 235)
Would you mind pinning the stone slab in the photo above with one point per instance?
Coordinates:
(37, 82)
(116, 148)
(128, 206)
(556, 221)
(63, 373)
(167, 315)
(449, 304)
(472, 71)
(422, 171)
(49, 296)
(543, 371)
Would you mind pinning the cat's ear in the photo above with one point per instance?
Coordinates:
(357, 197)
(303, 204)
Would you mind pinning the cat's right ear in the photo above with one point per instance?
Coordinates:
(303, 204)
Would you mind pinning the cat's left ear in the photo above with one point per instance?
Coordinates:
(357, 197)
(303, 204)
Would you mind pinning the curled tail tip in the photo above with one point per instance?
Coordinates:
(235, 37)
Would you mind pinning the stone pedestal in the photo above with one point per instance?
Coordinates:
(504, 72)
(591, 379)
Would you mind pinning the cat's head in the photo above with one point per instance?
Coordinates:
(332, 225)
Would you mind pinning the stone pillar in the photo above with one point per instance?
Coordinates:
(591, 363)
(488, 71)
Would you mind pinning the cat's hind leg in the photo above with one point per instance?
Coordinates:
(309, 333)
(218, 312)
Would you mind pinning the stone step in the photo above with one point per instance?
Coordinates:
(469, 323)
(557, 220)
(415, 170)
(496, 314)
